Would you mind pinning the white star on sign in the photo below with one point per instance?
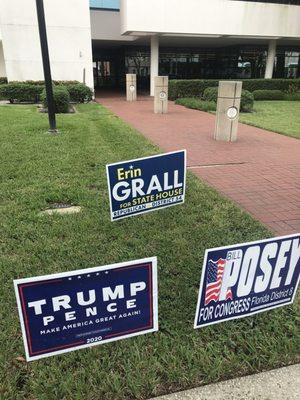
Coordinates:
(131, 167)
(79, 277)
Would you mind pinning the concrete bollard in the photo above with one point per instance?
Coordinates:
(161, 94)
(131, 87)
(228, 109)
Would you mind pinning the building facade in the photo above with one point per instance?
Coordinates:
(100, 40)
(69, 38)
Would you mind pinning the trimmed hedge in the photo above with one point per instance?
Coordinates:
(3, 80)
(271, 84)
(247, 99)
(61, 99)
(30, 91)
(197, 104)
(211, 94)
(268, 95)
(189, 88)
(80, 93)
(293, 96)
(42, 83)
(196, 87)
(20, 92)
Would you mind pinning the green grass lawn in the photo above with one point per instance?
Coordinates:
(277, 116)
(38, 169)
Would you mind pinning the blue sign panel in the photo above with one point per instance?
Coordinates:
(146, 184)
(73, 310)
(246, 279)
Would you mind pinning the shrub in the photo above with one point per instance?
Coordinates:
(189, 88)
(196, 87)
(61, 99)
(197, 104)
(20, 92)
(293, 88)
(38, 83)
(80, 93)
(268, 94)
(42, 83)
(3, 80)
(247, 100)
(65, 83)
(30, 91)
(210, 94)
(293, 96)
(270, 84)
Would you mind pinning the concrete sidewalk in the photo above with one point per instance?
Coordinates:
(260, 172)
(279, 384)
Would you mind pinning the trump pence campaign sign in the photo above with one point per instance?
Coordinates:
(245, 279)
(146, 184)
(74, 310)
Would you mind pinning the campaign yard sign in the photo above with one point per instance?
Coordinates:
(74, 310)
(146, 184)
(245, 279)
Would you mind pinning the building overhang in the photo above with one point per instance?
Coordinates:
(216, 18)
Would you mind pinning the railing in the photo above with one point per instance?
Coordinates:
(105, 4)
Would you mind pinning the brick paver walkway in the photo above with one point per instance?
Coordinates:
(260, 172)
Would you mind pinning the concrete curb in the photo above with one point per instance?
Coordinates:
(283, 384)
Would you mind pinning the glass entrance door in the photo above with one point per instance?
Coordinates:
(104, 73)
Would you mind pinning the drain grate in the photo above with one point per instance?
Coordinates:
(214, 165)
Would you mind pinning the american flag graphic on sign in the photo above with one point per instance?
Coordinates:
(214, 278)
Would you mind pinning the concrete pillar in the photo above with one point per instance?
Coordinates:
(131, 87)
(161, 94)
(154, 62)
(228, 108)
(270, 59)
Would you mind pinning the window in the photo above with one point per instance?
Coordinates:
(105, 4)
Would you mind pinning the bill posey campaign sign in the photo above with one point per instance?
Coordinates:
(78, 309)
(248, 278)
(146, 184)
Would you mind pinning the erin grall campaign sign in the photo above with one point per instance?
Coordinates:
(245, 279)
(146, 184)
(72, 310)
